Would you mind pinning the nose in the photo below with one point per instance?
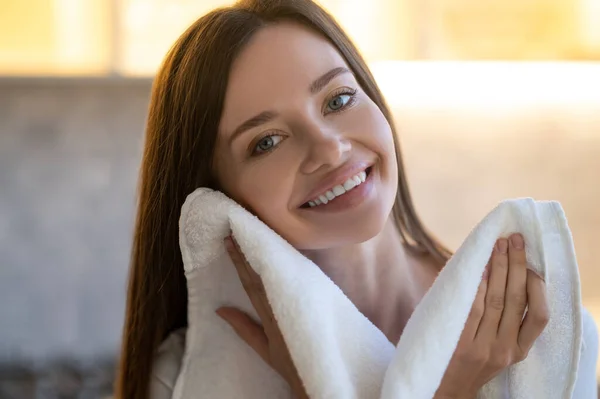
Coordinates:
(326, 149)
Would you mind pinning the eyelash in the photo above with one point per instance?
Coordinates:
(337, 93)
(253, 151)
(340, 92)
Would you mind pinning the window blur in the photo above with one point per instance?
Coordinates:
(129, 37)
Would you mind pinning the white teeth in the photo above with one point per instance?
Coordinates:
(363, 176)
(340, 189)
(349, 184)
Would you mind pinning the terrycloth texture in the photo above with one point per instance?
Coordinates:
(337, 351)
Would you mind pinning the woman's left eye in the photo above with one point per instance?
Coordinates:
(340, 101)
(266, 144)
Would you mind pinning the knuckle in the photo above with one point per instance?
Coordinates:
(520, 355)
(476, 311)
(500, 360)
(501, 354)
(461, 352)
(519, 301)
(541, 318)
(481, 358)
(496, 302)
(475, 357)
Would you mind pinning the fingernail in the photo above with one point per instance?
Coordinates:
(502, 245)
(517, 241)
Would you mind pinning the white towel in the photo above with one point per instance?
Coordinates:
(337, 351)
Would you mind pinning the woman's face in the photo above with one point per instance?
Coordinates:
(301, 145)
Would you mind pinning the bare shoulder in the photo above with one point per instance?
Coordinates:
(167, 362)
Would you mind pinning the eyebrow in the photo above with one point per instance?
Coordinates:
(267, 116)
(322, 81)
(257, 120)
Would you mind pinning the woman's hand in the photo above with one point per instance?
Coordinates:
(495, 334)
(266, 339)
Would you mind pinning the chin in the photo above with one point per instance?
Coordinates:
(368, 228)
(356, 231)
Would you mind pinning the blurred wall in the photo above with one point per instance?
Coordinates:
(69, 156)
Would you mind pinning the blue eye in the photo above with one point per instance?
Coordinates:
(340, 100)
(267, 144)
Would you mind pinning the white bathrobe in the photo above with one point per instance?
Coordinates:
(169, 355)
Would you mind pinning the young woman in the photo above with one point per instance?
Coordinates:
(269, 102)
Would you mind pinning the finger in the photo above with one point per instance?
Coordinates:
(269, 335)
(251, 282)
(537, 315)
(474, 319)
(247, 329)
(516, 291)
(494, 297)
(246, 272)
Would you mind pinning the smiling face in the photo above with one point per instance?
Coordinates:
(301, 146)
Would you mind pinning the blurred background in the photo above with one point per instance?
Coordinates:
(493, 99)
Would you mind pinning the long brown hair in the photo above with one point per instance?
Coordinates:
(184, 114)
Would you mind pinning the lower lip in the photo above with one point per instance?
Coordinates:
(350, 199)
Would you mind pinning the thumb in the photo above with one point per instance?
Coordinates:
(248, 330)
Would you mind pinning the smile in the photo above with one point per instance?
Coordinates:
(339, 190)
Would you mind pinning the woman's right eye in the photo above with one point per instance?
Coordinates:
(266, 144)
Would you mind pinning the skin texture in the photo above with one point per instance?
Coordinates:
(310, 136)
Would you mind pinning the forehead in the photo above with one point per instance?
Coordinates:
(280, 61)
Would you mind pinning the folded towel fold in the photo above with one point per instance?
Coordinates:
(338, 352)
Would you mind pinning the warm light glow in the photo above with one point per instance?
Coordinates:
(65, 37)
(590, 26)
(495, 86)
(150, 27)
(58, 37)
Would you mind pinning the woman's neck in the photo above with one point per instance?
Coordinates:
(383, 280)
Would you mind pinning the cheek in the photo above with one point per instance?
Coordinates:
(264, 189)
(375, 133)
(371, 129)
(381, 129)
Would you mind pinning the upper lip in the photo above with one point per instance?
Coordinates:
(337, 177)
